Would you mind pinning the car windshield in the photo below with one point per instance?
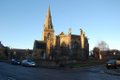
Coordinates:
(30, 60)
(111, 61)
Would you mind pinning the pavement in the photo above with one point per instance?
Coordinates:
(113, 71)
(105, 70)
(18, 72)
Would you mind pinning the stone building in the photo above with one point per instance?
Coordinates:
(20, 53)
(63, 46)
(3, 51)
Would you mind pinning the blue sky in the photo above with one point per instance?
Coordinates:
(21, 21)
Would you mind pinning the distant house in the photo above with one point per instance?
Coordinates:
(1, 45)
(21, 53)
(3, 51)
(108, 54)
(115, 54)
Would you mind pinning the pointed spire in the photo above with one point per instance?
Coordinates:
(49, 12)
(69, 31)
(48, 21)
(81, 31)
(82, 38)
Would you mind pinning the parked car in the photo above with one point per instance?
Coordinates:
(28, 62)
(111, 64)
(15, 61)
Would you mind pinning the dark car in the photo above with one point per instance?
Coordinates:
(15, 61)
(28, 62)
(111, 64)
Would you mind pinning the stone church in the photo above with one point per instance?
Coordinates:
(63, 46)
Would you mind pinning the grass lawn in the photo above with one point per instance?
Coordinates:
(84, 64)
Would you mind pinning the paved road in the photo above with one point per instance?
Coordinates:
(16, 72)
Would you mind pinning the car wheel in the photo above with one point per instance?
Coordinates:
(108, 67)
(115, 67)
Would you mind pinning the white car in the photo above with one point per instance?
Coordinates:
(28, 62)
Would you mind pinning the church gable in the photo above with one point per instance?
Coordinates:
(39, 45)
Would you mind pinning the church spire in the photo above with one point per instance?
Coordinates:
(48, 32)
(48, 21)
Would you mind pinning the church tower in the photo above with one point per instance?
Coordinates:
(48, 32)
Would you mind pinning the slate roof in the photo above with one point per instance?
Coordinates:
(1, 45)
(40, 44)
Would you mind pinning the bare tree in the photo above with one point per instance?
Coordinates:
(100, 49)
(103, 46)
(96, 52)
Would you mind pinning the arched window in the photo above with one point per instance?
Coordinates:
(63, 44)
(42, 55)
(48, 35)
(75, 45)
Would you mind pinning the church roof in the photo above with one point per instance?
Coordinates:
(62, 33)
(40, 44)
(1, 45)
(75, 35)
(48, 22)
